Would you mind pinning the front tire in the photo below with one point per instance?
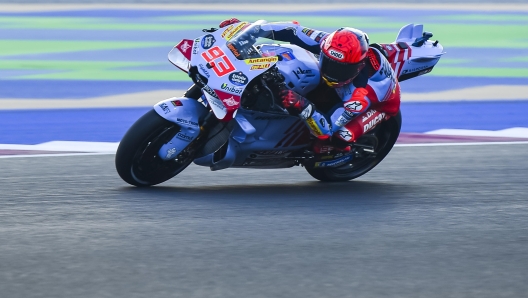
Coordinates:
(387, 133)
(137, 161)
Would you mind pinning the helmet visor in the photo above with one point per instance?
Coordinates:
(339, 72)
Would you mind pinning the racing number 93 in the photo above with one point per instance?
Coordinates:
(221, 64)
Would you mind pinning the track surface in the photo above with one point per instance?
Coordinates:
(427, 222)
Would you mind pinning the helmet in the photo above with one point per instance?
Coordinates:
(343, 55)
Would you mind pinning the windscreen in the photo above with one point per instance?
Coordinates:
(243, 43)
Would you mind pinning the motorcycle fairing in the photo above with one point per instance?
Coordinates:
(298, 66)
(187, 113)
(180, 55)
(218, 63)
(260, 140)
(412, 54)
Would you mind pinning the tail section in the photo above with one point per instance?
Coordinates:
(412, 53)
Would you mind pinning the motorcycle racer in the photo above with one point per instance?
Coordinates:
(360, 75)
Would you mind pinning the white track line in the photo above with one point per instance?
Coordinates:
(460, 144)
(397, 145)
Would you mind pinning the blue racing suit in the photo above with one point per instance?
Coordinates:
(371, 90)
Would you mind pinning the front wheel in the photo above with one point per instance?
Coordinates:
(385, 136)
(137, 161)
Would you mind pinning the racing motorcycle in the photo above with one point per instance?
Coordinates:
(231, 117)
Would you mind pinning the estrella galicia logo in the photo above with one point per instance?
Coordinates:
(238, 78)
(208, 41)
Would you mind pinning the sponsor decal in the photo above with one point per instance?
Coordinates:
(333, 163)
(217, 103)
(341, 121)
(184, 47)
(230, 31)
(204, 70)
(238, 78)
(367, 115)
(177, 103)
(373, 122)
(354, 106)
(323, 122)
(196, 48)
(386, 71)
(170, 153)
(415, 69)
(208, 41)
(319, 36)
(220, 62)
(262, 60)
(300, 71)
(275, 118)
(287, 56)
(272, 152)
(307, 31)
(336, 54)
(314, 127)
(345, 134)
(307, 112)
(233, 49)
(165, 108)
(389, 47)
(230, 101)
(209, 91)
(186, 122)
(231, 89)
(260, 66)
(425, 71)
(184, 137)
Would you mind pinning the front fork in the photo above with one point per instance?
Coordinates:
(187, 114)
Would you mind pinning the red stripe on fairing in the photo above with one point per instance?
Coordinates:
(406, 56)
(292, 131)
(297, 133)
(397, 69)
(291, 127)
(396, 55)
(401, 54)
(394, 62)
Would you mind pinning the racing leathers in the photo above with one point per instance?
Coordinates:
(374, 95)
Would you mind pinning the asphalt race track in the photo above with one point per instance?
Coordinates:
(442, 221)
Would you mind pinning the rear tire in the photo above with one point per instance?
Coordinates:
(137, 161)
(387, 133)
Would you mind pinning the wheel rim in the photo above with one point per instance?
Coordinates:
(366, 163)
(148, 168)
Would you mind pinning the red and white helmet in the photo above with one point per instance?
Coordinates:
(343, 55)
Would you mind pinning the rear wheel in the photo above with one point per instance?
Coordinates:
(382, 139)
(137, 161)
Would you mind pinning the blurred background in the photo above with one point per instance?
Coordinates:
(86, 70)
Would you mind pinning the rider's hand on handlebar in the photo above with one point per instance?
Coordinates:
(228, 22)
(293, 100)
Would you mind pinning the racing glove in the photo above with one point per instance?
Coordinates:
(356, 105)
(296, 104)
(228, 22)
